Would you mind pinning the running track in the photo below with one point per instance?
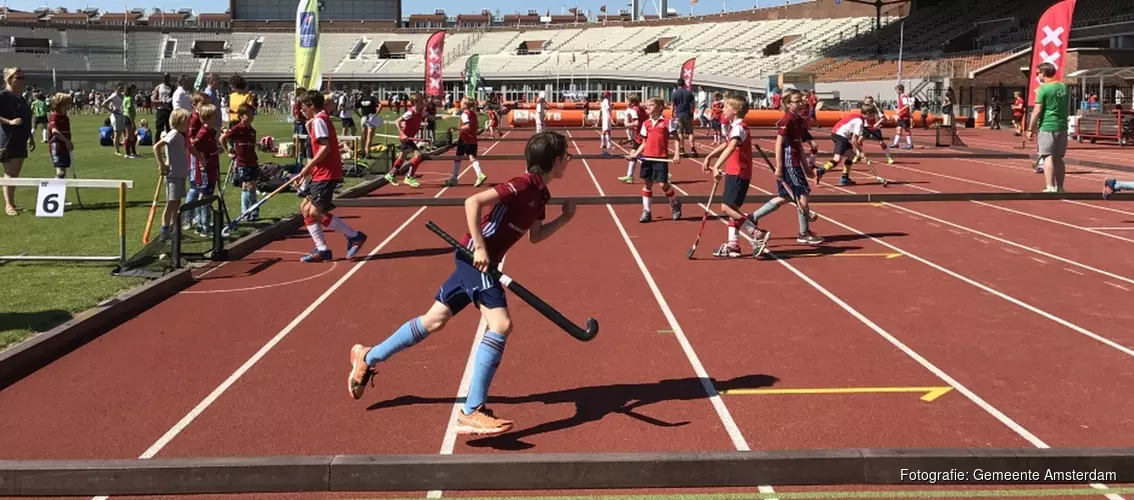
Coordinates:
(1020, 309)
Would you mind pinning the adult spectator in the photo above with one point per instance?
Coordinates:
(240, 95)
(1049, 118)
(212, 89)
(682, 100)
(947, 112)
(16, 138)
(181, 96)
(163, 103)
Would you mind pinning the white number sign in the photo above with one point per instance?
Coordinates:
(49, 202)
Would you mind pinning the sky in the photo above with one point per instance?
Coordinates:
(450, 6)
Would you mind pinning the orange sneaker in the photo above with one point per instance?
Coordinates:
(482, 423)
(360, 373)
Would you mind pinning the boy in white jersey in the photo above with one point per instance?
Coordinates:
(605, 118)
(847, 135)
(540, 108)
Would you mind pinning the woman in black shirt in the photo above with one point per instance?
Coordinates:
(16, 138)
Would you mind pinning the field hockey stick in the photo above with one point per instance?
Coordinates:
(810, 214)
(232, 224)
(704, 219)
(546, 310)
(78, 197)
(879, 178)
(153, 210)
(656, 160)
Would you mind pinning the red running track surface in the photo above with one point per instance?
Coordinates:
(1032, 351)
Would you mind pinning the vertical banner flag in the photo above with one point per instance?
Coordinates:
(472, 71)
(308, 70)
(1052, 32)
(434, 49)
(687, 72)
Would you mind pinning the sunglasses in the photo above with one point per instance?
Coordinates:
(18, 77)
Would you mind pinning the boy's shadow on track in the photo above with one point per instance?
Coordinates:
(594, 403)
(405, 254)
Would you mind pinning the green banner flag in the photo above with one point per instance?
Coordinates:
(308, 70)
(472, 71)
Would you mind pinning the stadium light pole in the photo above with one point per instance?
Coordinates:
(878, 4)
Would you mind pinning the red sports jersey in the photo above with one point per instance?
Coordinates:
(297, 113)
(904, 105)
(194, 124)
(205, 141)
(493, 118)
(643, 117)
(244, 138)
(793, 128)
(411, 124)
(62, 123)
(739, 162)
(776, 101)
(718, 110)
(468, 117)
(1018, 107)
(522, 202)
(331, 167)
(656, 135)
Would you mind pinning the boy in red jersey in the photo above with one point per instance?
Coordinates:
(655, 133)
(205, 171)
(246, 167)
(716, 121)
(905, 117)
(790, 170)
(634, 118)
(326, 171)
(1018, 109)
(517, 208)
(466, 143)
(735, 156)
(493, 122)
(409, 124)
(58, 130)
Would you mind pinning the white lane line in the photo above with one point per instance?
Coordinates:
(723, 413)
(1116, 285)
(164, 440)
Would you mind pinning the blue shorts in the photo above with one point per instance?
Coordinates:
(796, 180)
(467, 285)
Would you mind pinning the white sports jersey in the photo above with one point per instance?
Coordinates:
(605, 114)
(851, 128)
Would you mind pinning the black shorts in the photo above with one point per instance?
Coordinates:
(348, 122)
(60, 155)
(322, 194)
(240, 175)
(409, 146)
(39, 120)
(903, 122)
(656, 171)
(466, 149)
(872, 133)
(842, 144)
(431, 125)
(735, 191)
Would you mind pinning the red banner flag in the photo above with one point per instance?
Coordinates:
(687, 72)
(434, 49)
(1052, 33)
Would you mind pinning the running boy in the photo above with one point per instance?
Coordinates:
(326, 170)
(518, 207)
(466, 143)
(655, 146)
(790, 170)
(246, 166)
(716, 120)
(847, 135)
(736, 157)
(59, 134)
(409, 124)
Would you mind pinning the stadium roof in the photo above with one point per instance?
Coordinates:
(1125, 73)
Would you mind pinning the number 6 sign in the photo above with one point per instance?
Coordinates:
(49, 202)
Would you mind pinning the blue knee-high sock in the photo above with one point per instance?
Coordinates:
(803, 222)
(488, 356)
(410, 333)
(768, 208)
(245, 201)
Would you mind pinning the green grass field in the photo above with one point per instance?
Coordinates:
(38, 296)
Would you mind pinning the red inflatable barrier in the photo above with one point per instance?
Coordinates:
(754, 118)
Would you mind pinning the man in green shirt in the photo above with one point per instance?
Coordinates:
(1049, 118)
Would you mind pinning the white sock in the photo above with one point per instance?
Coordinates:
(476, 168)
(456, 168)
(909, 140)
(647, 197)
(630, 168)
(732, 234)
(317, 234)
(337, 225)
